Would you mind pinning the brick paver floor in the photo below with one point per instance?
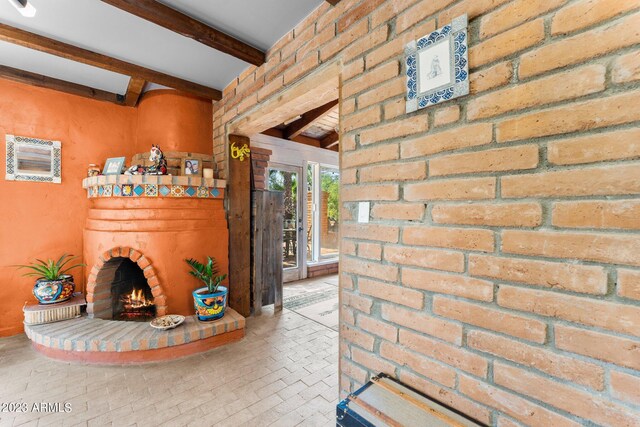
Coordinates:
(283, 373)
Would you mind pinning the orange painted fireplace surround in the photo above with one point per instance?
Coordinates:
(157, 233)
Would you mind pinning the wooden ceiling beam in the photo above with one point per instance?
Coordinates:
(333, 2)
(39, 80)
(186, 26)
(330, 140)
(74, 53)
(300, 125)
(134, 90)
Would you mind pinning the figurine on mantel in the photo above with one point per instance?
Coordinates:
(159, 166)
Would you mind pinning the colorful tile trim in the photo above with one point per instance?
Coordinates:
(152, 190)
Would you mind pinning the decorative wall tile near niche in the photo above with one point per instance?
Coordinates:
(138, 186)
(33, 159)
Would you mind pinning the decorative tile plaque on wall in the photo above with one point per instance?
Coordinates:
(437, 66)
(32, 159)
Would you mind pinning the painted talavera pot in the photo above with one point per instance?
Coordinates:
(210, 306)
(54, 291)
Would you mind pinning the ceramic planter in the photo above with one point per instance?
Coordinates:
(54, 291)
(210, 306)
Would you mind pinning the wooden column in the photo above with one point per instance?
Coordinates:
(239, 217)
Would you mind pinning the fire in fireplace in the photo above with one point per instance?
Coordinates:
(131, 297)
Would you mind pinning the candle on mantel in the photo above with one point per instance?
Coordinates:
(207, 173)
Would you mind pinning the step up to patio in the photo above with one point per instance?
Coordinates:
(116, 342)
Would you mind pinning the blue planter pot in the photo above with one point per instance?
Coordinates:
(210, 306)
(54, 291)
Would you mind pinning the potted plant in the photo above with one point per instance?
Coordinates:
(210, 300)
(53, 283)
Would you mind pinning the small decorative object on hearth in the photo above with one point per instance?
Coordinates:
(169, 321)
(113, 166)
(93, 170)
(159, 166)
(209, 301)
(438, 66)
(207, 173)
(53, 284)
(191, 167)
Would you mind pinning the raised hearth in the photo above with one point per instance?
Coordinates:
(112, 342)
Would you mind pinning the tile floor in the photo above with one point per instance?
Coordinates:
(283, 373)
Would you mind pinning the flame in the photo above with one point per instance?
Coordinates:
(136, 299)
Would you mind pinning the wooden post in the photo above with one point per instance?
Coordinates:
(239, 218)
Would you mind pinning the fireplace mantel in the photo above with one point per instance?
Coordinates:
(153, 186)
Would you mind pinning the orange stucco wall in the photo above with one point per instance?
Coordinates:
(46, 220)
(176, 121)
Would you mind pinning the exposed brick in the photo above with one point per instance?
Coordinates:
(399, 211)
(425, 257)
(558, 87)
(565, 397)
(448, 284)
(606, 315)
(396, 45)
(370, 79)
(511, 404)
(451, 189)
(422, 322)
(602, 181)
(441, 237)
(275, 85)
(608, 248)
(582, 47)
(370, 251)
(378, 328)
(585, 13)
(555, 364)
(490, 78)
(626, 68)
(382, 233)
(369, 269)
(562, 276)
(423, 9)
(358, 302)
(347, 247)
(609, 348)
(515, 13)
(622, 144)
(355, 193)
(392, 293)
(357, 337)
(438, 372)
(361, 119)
(406, 171)
(449, 354)
(593, 114)
(357, 13)
(495, 160)
(489, 318)
(353, 69)
(461, 137)
(473, 9)
(620, 214)
(447, 115)
(337, 44)
(497, 215)
(400, 128)
(368, 42)
(507, 43)
(369, 155)
(388, 10)
(373, 362)
(349, 369)
(628, 285)
(625, 387)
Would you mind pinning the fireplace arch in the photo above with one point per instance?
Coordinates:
(99, 284)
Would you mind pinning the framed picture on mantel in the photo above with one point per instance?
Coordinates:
(437, 66)
(113, 166)
(191, 167)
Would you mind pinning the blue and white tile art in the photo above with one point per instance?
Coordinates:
(437, 66)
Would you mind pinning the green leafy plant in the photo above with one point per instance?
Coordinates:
(50, 269)
(207, 273)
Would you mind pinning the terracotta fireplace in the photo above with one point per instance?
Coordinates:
(150, 233)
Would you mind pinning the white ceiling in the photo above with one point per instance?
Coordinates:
(94, 25)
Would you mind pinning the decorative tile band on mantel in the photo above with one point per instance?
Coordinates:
(153, 186)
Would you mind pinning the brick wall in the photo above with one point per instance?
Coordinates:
(500, 271)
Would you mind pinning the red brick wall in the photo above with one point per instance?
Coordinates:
(500, 271)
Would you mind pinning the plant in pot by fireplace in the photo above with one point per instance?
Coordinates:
(211, 300)
(53, 283)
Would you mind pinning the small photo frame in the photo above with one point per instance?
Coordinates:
(113, 166)
(437, 66)
(191, 167)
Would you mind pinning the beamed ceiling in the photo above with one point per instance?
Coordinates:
(113, 50)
